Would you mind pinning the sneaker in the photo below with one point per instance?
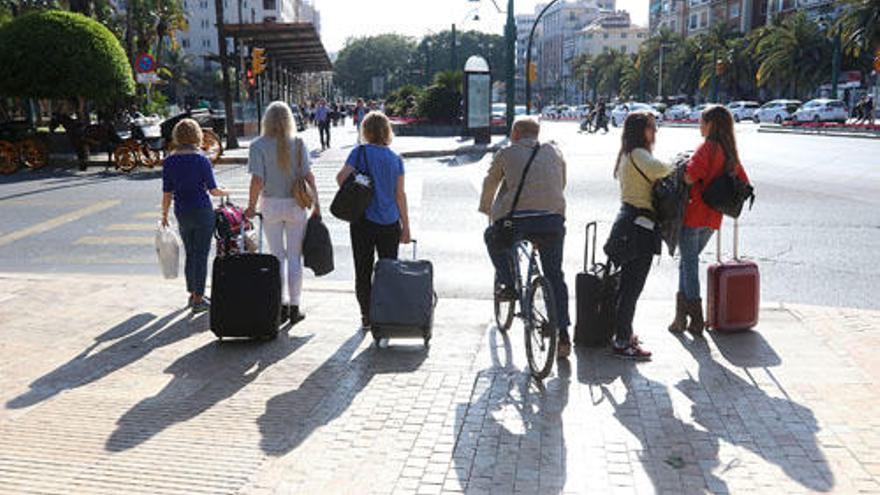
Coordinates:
(189, 302)
(632, 351)
(383, 343)
(201, 306)
(563, 349)
(285, 313)
(505, 293)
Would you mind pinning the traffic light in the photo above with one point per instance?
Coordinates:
(258, 64)
(533, 72)
(877, 61)
(251, 79)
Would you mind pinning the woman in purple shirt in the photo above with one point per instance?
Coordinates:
(187, 179)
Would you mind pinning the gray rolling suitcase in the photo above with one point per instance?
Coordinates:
(403, 299)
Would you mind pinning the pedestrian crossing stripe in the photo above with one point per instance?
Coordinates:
(149, 215)
(130, 227)
(115, 240)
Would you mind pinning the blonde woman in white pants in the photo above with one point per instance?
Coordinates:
(275, 160)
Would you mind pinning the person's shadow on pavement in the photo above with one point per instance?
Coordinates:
(328, 391)
(132, 340)
(782, 424)
(202, 379)
(488, 454)
(647, 401)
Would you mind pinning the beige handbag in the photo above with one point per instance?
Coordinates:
(302, 190)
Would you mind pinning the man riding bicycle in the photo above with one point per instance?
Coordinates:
(539, 215)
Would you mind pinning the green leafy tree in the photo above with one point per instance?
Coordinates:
(90, 63)
(389, 56)
(441, 102)
(435, 52)
(794, 55)
(860, 26)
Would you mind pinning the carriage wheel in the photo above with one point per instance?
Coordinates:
(33, 153)
(8, 157)
(126, 156)
(149, 156)
(212, 146)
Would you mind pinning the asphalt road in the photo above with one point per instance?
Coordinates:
(814, 229)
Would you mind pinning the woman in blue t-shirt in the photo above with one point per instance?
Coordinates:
(188, 178)
(386, 222)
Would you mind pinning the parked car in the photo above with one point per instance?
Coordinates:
(697, 111)
(743, 110)
(619, 113)
(776, 111)
(678, 112)
(821, 110)
(549, 112)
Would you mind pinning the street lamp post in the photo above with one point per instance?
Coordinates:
(510, 34)
(660, 72)
(715, 75)
(529, 54)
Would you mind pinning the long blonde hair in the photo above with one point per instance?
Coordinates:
(278, 123)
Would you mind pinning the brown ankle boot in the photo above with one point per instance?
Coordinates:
(679, 324)
(695, 312)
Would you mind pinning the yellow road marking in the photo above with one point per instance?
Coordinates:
(57, 222)
(130, 227)
(115, 240)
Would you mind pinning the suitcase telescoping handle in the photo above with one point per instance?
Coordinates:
(735, 241)
(415, 244)
(590, 226)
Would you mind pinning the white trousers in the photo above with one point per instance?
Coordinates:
(285, 227)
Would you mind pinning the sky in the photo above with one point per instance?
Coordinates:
(341, 19)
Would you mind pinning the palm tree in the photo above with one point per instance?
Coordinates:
(860, 26)
(614, 70)
(795, 54)
(174, 72)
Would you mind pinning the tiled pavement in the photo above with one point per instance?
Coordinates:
(108, 387)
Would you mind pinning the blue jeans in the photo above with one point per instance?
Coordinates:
(691, 243)
(550, 232)
(196, 230)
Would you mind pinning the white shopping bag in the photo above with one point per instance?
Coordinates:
(168, 250)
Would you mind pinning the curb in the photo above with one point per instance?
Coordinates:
(816, 132)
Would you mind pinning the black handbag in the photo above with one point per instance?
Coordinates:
(728, 193)
(354, 195)
(317, 247)
(503, 231)
(664, 195)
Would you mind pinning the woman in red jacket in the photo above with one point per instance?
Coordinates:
(717, 155)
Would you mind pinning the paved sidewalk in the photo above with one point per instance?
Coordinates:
(108, 386)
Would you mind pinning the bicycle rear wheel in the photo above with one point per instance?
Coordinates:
(541, 328)
(504, 312)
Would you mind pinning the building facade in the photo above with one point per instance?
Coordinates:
(692, 17)
(524, 23)
(200, 40)
(611, 34)
(556, 48)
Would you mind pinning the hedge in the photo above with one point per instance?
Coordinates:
(58, 54)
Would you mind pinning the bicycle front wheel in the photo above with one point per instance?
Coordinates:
(541, 328)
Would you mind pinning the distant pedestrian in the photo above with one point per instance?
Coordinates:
(357, 116)
(635, 235)
(601, 116)
(187, 180)
(322, 117)
(276, 160)
(385, 224)
(717, 155)
(859, 111)
(868, 110)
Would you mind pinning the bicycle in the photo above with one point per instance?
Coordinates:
(537, 309)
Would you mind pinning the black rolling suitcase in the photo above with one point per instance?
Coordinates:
(596, 290)
(403, 299)
(246, 294)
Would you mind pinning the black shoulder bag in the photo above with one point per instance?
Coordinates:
(354, 195)
(664, 194)
(727, 194)
(503, 230)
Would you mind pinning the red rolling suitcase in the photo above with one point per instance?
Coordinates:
(733, 297)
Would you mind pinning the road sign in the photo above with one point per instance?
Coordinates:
(533, 72)
(145, 63)
(149, 78)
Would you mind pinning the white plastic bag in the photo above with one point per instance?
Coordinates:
(168, 250)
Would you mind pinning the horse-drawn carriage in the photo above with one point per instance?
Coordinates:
(148, 139)
(21, 146)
